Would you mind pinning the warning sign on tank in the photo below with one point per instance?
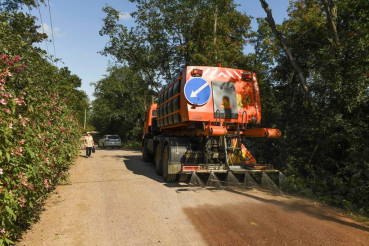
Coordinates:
(225, 103)
(246, 100)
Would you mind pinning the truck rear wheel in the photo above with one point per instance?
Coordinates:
(167, 177)
(158, 164)
(147, 157)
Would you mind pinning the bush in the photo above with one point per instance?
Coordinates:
(134, 145)
(38, 140)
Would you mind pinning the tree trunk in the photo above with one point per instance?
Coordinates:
(281, 39)
(215, 33)
(330, 8)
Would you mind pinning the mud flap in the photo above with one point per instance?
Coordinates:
(176, 154)
(178, 148)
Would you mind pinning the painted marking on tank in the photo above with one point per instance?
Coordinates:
(222, 74)
(214, 72)
(207, 70)
(230, 74)
(235, 72)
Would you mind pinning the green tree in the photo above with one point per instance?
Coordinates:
(171, 34)
(326, 140)
(120, 96)
(10, 5)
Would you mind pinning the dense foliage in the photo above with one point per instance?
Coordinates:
(324, 120)
(38, 138)
(119, 98)
(325, 140)
(39, 130)
(171, 34)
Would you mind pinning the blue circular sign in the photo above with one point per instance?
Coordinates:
(197, 91)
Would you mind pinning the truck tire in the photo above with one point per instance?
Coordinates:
(147, 157)
(166, 176)
(158, 164)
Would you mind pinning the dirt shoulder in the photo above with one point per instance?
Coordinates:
(117, 199)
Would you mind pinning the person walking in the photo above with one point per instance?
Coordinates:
(88, 141)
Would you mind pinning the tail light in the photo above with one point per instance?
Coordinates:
(107, 139)
(196, 72)
(247, 76)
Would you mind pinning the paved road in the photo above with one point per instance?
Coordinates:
(117, 199)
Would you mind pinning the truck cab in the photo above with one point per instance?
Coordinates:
(150, 123)
(150, 130)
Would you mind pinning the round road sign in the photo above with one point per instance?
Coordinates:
(197, 91)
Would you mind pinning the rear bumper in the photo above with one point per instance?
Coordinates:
(112, 144)
(211, 168)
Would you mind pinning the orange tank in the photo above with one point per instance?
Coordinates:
(219, 98)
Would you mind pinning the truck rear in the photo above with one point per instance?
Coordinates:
(202, 121)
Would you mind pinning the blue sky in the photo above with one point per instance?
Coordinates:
(76, 26)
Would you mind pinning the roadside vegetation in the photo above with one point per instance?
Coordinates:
(40, 117)
(313, 73)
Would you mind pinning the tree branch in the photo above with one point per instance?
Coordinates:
(281, 39)
(331, 10)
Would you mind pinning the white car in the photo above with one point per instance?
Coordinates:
(110, 141)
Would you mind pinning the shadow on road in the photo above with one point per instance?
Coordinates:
(135, 164)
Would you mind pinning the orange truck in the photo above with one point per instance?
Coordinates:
(201, 123)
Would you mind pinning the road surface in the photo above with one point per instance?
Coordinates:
(117, 199)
